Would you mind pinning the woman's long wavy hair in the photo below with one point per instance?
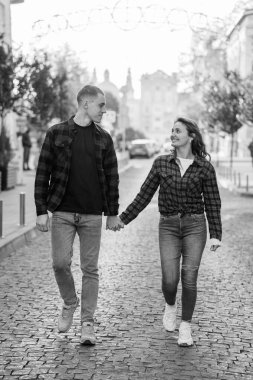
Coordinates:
(197, 144)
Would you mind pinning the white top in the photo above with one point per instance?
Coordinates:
(184, 164)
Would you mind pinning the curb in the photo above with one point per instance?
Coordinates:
(17, 240)
(26, 234)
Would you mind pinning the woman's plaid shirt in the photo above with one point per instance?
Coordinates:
(54, 164)
(197, 191)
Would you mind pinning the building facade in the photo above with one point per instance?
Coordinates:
(130, 106)
(5, 20)
(158, 104)
(240, 59)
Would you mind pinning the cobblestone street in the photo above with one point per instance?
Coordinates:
(132, 343)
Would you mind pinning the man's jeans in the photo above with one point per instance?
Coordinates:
(65, 225)
(181, 236)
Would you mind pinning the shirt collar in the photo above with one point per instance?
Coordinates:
(72, 127)
(198, 160)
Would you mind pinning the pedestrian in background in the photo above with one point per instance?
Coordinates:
(27, 144)
(77, 180)
(188, 187)
(250, 147)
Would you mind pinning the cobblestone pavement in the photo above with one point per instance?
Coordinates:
(132, 343)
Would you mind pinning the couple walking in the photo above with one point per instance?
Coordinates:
(77, 180)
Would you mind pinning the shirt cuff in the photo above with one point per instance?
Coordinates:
(214, 241)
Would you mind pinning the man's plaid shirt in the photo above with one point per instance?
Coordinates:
(197, 191)
(54, 164)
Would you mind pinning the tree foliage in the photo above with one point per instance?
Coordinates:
(223, 101)
(223, 104)
(14, 84)
(14, 79)
(43, 91)
(132, 134)
(111, 102)
(247, 103)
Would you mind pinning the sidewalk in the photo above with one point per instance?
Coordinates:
(239, 178)
(15, 235)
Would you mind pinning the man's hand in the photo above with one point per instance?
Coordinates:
(114, 223)
(42, 222)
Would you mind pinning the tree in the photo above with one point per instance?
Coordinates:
(111, 102)
(132, 134)
(61, 87)
(247, 103)
(71, 75)
(43, 92)
(55, 79)
(223, 101)
(14, 85)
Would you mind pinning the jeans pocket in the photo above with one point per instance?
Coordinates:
(198, 217)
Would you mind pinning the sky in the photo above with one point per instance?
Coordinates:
(144, 35)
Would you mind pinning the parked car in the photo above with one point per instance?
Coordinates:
(167, 147)
(141, 147)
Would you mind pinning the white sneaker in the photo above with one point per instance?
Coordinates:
(185, 337)
(66, 317)
(169, 317)
(88, 334)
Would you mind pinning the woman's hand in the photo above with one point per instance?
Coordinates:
(214, 247)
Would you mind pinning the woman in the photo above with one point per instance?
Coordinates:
(188, 187)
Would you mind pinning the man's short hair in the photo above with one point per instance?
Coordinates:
(88, 90)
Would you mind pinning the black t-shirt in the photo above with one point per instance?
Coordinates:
(83, 192)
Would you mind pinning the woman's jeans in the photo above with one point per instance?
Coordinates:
(65, 225)
(181, 236)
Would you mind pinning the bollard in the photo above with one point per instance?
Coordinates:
(1, 219)
(235, 178)
(22, 209)
(247, 183)
(239, 179)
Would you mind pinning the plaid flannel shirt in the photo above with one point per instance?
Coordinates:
(197, 191)
(54, 163)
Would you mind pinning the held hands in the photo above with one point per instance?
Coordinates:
(114, 223)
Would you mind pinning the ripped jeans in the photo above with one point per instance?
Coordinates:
(181, 236)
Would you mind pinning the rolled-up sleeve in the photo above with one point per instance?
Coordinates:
(212, 203)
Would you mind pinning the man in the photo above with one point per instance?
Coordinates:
(250, 147)
(77, 180)
(26, 142)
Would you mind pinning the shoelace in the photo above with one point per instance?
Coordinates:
(67, 310)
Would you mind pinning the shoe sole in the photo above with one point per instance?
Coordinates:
(87, 342)
(65, 331)
(170, 330)
(185, 344)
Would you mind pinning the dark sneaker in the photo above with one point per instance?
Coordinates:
(169, 317)
(66, 317)
(185, 337)
(87, 334)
